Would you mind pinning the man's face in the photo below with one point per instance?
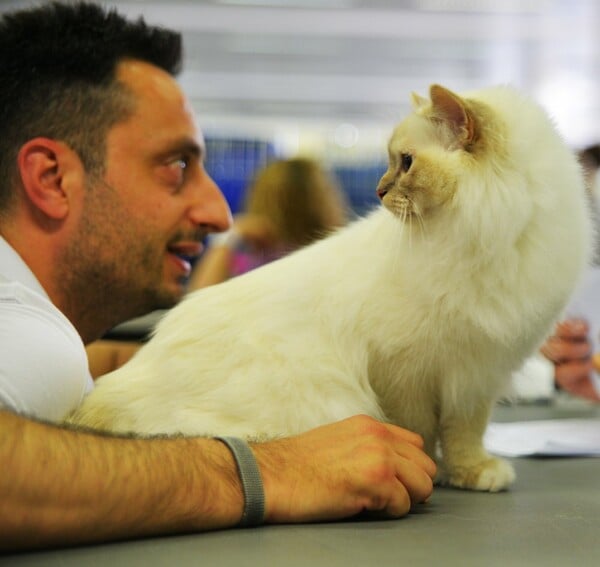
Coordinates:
(155, 202)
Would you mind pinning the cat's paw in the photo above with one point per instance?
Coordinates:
(491, 475)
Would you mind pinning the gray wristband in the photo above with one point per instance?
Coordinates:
(254, 496)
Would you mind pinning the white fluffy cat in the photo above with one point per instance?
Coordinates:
(416, 314)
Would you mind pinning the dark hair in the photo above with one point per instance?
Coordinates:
(590, 156)
(58, 65)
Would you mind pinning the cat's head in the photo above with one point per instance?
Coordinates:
(425, 154)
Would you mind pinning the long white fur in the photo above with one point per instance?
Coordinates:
(419, 325)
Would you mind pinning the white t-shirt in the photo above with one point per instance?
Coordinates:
(43, 364)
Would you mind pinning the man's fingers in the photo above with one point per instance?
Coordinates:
(572, 329)
(394, 497)
(401, 502)
(570, 373)
(409, 445)
(393, 505)
(401, 473)
(569, 342)
(417, 482)
(405, 435)
(575, 378)
(559, 350)
(414, 454)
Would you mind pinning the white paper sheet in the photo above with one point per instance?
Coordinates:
(557, 437)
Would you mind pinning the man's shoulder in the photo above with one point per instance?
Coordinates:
(43, 365)
(20, 305)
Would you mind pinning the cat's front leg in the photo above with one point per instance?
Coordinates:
(465, 463)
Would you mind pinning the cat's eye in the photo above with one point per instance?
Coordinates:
(406, 161)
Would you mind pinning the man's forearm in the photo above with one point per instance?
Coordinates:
(61, 487)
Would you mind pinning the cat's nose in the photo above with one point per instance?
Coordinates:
(382, 191)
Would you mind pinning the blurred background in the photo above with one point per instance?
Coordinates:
(330, 78)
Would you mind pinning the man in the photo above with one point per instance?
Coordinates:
(103, 195)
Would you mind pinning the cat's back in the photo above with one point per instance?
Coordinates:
(302, 280)
(290, 299)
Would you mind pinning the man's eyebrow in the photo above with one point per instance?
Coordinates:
(188, 147)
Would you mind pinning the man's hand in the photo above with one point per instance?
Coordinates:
(571, 352)
(339, 470)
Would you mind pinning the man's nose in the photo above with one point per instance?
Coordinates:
(210, 209)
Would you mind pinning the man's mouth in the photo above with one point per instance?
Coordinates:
(184, 253)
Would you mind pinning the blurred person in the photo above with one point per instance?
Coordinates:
(290, 204)
(570, 347)
(103, 196)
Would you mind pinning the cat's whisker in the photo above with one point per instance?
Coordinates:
(405, 221)
(421, 224)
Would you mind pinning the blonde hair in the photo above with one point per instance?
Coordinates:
(302, 201)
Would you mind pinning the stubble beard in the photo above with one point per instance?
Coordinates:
(109, 274)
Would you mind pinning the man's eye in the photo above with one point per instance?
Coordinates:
(174, 171)
(178, 166)
(180, 163)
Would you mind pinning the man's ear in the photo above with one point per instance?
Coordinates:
(50, 171)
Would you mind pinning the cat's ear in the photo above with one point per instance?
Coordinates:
(418, 101)
(451, 109)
